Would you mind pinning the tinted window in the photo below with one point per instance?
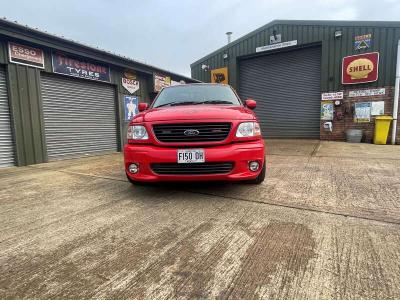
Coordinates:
(197, 94)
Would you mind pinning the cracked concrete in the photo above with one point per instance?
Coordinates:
(324, 225)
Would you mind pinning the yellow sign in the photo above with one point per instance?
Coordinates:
(129, 75)
(360, 68)
(219, 75)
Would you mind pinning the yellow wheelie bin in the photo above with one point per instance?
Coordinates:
(382, 125)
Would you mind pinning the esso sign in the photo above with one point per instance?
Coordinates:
(23, 50)
(26, 55)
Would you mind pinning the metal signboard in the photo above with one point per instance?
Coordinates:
(362, 112)
(327, 110)
(360, 68)
(131, 107)
(25, 55)
(130, 83)
(362, 41)
(219, 75)
(276, 46)
(332, 96)
(377, 108)
(70, 66)
(368, 92)
(161, 81)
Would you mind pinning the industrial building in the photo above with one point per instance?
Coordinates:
(311, 79)
(61, 99)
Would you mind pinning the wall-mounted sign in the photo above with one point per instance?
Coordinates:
(66, 65)
(332, 96)
(25, 55)
(362, 41)
(366, 93)
(327, 110)
(161, 81)
(360, 68)
(362, 112)
(219, 75)
(131, 107)
(377, 108)
(129, 82)
(276, 46)
(129, 75)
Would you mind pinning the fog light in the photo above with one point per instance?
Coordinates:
(254, 166)
(133, 168)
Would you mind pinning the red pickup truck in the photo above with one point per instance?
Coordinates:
(195, 132)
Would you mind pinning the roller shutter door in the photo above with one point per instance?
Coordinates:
(287, 89)
(79, 117)
(6, 139)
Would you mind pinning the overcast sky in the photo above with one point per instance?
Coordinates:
(173, 34)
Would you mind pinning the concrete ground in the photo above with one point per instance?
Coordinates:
(324, 225)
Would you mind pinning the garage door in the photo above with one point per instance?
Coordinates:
(6, 140)
(287, 89)
(79, 117)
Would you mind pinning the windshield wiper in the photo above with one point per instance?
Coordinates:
(176, 103)
(215, 102)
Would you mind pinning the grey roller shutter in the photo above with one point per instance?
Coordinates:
(79, 117)
(6, 139)
(287, 89)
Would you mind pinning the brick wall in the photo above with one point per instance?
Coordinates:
(340, 126)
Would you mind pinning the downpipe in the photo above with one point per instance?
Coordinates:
(396, 96)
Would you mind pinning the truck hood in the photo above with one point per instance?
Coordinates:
(197, 112)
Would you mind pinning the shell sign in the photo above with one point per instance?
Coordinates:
(360, 68)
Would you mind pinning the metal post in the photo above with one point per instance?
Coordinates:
(396, 96)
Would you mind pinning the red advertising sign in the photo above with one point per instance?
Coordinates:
(360, 68)
(25, 55)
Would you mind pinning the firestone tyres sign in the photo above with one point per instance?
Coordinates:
(66, 65)
(360, 68)
(25, 55)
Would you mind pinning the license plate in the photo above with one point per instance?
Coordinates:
(189, 156)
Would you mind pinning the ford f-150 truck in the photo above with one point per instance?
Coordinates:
(195, 132)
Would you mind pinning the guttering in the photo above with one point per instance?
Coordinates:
(396, 96)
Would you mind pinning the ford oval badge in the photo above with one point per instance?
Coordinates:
(191, 132)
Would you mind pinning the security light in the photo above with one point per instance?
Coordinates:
(205, 67)
(338, 34)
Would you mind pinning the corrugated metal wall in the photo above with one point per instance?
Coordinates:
(384, 40)
(26, 109)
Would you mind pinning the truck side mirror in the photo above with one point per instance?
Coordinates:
(250, 103)
(143, 106)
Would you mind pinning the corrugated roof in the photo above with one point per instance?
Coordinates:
(14, 24)
(302, 22)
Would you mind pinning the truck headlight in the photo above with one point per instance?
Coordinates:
(137, 132)
(248, 129)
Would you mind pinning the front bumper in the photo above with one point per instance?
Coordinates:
(238, 153)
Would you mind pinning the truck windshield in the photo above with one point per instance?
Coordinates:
(196, 94)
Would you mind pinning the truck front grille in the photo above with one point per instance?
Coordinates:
(192, 132)
(192, 169)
